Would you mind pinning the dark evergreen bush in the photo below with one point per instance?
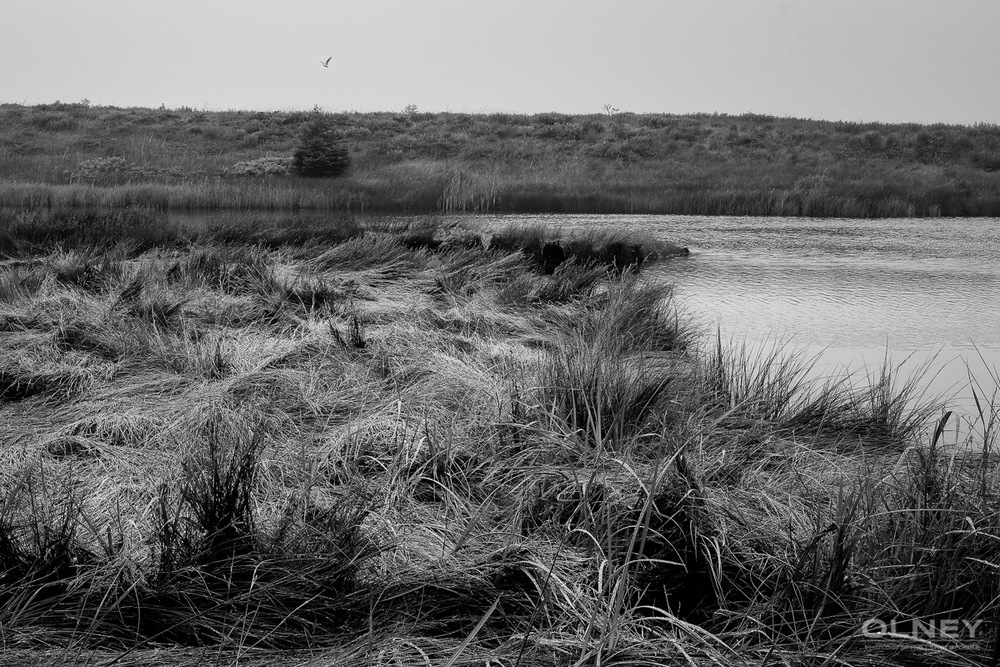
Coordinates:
(320, 151)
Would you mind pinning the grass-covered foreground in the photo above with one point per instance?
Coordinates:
(409, 444)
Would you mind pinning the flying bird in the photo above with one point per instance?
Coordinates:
(326, 63)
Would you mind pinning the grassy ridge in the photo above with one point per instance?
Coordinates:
(432, 445)
(64, 155)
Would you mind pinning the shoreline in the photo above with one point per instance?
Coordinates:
(403, 437)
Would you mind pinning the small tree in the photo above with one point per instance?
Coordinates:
(320, 151)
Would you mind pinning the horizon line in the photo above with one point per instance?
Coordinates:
(88, 104)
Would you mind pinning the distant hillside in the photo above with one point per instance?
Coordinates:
(75, 155)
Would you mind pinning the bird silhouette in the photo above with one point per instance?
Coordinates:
(326, 63)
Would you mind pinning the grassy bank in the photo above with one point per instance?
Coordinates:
(69, 155)
(436, 445)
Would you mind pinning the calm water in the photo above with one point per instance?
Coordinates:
(847, 292)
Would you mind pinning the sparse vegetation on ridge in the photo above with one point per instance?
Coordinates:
(67, 155)
(419, 443)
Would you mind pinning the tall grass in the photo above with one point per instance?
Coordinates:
(751, 385)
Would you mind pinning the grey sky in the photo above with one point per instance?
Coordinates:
(885, 60)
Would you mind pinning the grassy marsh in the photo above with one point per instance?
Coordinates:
(424, 444)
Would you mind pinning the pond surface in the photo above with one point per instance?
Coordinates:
(849, 293)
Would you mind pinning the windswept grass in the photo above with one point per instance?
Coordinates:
(407, 444)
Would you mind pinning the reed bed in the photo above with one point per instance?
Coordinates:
(417, 444)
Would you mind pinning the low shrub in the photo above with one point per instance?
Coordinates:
(264, 166)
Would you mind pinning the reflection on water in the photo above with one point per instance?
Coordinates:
(850, 292)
